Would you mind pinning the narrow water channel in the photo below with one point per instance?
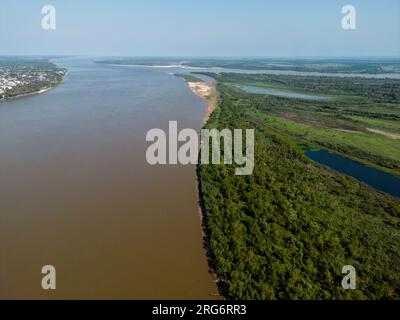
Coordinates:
(377, 179)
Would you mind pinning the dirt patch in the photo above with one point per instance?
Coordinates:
(384, 133)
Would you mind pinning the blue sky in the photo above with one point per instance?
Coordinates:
(287, 28)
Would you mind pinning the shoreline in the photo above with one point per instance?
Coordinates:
(206, 92)
(24, 95)
(166, 66)
(209, 94)
(43, 90)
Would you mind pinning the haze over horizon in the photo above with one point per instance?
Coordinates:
(207, 28)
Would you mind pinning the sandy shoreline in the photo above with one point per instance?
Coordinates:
(208, 93)
(27, 94)
(167, 66)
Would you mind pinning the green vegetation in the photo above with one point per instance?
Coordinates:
(286, 231)
(342, 124)
(366, 89)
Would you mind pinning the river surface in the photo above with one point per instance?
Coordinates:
(77, 193)
(280, 93)
(378, 179)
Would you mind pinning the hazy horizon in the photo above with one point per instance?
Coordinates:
(254, 29)
(281, 57)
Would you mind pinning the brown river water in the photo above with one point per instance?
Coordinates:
(76, 191)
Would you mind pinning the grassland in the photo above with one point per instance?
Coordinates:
(360, 121)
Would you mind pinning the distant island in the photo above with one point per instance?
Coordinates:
(341, 65)
(21, 77)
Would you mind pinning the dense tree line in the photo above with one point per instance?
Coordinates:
(285, 231)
